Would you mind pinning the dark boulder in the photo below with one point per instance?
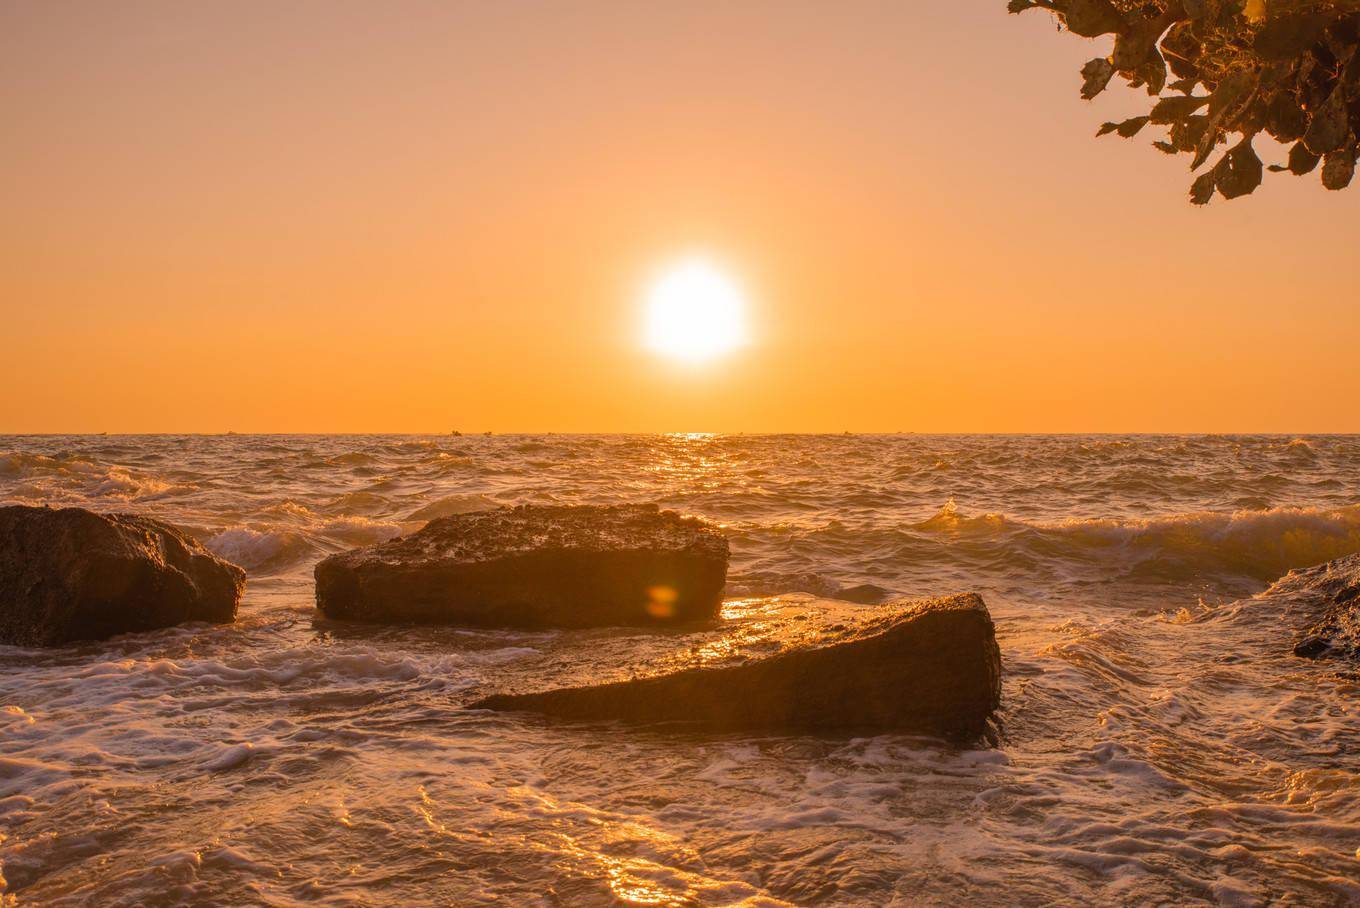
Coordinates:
(71, 574)
(531, 566)
(930, 667)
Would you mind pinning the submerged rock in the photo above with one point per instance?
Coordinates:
(533, 566)
(929, 666)
(71, 574)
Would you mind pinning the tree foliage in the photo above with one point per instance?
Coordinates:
(1223, 72)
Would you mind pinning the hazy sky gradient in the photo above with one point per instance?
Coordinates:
(420, 216)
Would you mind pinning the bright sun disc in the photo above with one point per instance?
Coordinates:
(694, 312)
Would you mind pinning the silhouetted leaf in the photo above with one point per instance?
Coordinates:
(1128, 128)
(1338, 168)
(1186, 134)
(1153, 72)
(1240, 171)
(1202, 190)
(1169, 110)
(1288, 36)
(1204, 145)
(1230, 97)
(1204, 10)
(1096, 74)
(1090, 18)
(1329, 127)
(1181, 48)
(1285, 120)
(1341, 39)
(1301, 160)
(1288, 68)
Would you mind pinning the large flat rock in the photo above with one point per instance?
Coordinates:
(534, 567)
(72, 574)
(789, 663)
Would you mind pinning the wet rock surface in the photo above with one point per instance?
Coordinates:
(72, 574)
(787, 663)
(530, 566)
(1337, 631)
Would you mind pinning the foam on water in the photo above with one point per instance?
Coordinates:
(1160, 742)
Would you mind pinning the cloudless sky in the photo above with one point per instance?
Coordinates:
(421, 215)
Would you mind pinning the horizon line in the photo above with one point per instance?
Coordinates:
(710, 433)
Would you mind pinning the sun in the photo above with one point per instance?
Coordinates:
(694, 312)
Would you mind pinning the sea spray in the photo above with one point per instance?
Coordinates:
(1161, 743)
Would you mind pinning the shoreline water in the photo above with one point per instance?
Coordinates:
(1161, 741)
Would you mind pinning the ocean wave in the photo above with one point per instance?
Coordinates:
(271, 550)
(776, 583)
(358, 530)
(288, 509)
(362, 502)
(452, 504)
(72, 477)
(1258, 544)
(119, 483)
(352, 459)
(24, 464)
(446, 462)
(1160, 743)
(112, 681)
(261, 552)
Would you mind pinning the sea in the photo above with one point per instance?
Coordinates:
(1158, 741)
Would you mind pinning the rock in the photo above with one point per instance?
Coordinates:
(533, 566)
(1337, 631)
(929, 666)
(1322, 604)
(71, 574)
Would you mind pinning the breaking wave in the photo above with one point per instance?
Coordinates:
(452, 504)
(1258, 544)
(69, 478)
(261, 552)
(1161, 744)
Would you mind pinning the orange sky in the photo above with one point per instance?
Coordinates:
(420, 216)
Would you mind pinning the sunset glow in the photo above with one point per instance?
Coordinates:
(695, 453)
(175, 209)
(695, 312)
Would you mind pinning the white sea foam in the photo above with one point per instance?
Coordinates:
(1159, 741)
(450, 505)
(260, 551)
